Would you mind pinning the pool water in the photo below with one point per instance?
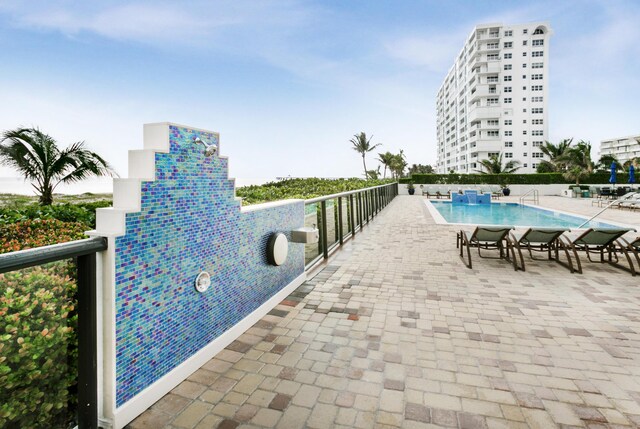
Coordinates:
(510, 214)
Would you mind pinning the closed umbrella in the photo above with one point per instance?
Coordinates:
(632, 174)
(612, 178)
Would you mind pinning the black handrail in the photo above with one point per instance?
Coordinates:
(362, 205)
(85, 251)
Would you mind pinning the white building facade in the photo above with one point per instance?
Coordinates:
(623, 148)
(494, 99)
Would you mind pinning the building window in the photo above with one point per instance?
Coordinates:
(492, 101)
(537, 144)
(493, 122)
(524, 54)
(537, 155)
(524, 43)
(508, 56)
(524, 76)
(525, 31)
(524, 88)
(507, 78)
(508, 155)
(492, 133)
(524, 132)
(524, 165)
(524, 65)
(538, 31)
(537, 121)
(524, 110)
(492, 79)
(536, 88)
(507, 100)
(537, 53)
(508, 144)
(508, 66)
(537, 133)
(507, 89)
(490, 154)
(508, 122)
(508, 133)
(492, 57)
(536, 76)
(508, 33)
(537, 65)
(536, 99)
(524, 143)
(524, 154)
(493, 45)
(508, 44)
(524, 121)
(538, 42)
(537, 110)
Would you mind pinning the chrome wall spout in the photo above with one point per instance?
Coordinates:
(209, 149)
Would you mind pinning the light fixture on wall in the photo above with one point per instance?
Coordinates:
(209, 149)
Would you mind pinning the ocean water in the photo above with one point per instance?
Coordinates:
(99, 185)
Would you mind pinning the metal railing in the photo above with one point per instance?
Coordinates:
(84, 252)
(536, 196)
(340, 216)
(625, 197)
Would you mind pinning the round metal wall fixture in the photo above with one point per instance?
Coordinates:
(277, 249)
(203, 281)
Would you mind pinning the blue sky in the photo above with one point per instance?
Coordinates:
(287, 83)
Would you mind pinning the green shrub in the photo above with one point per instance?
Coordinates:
(27, 234)
(511, 179)
(302, 189)
(67, 212)
(38, 347)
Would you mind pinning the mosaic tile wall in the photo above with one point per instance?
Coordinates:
(190, 222)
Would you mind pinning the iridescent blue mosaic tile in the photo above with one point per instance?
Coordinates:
(190, 222)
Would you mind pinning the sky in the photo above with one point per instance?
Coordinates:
(287, 83)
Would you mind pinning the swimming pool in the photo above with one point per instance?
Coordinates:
(508, 214)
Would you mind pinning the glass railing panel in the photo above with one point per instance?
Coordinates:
(39, 346)
(332, 222)
(346, 225)
(312, 219)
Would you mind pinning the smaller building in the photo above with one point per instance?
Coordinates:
(623, 148)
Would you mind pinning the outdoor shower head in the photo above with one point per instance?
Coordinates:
(209, 149)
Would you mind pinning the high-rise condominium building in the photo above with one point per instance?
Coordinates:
(494, 99)
(623, 148)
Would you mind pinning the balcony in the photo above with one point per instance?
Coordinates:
(485, 112)
(483, 91)
(491, 68)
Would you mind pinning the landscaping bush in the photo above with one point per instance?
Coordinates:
(38, 347)
(78, 212)
(302, 189)
(511, 179)
(35, 233)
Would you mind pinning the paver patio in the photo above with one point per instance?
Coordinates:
(396, 332)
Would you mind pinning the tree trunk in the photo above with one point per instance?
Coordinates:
(384, 175)
(46, 197)
(364, 164)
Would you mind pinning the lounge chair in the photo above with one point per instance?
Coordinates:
(602, 241)
(488, 237)
(496, 192)
(540, 240)
(632, 247)
(431, 193)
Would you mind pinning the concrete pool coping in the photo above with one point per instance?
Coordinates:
(440, 220)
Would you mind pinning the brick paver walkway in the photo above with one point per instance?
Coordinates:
(396, 332)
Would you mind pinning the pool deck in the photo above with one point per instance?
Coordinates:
(394, 332)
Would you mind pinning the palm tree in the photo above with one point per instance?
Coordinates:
(493, 165)
(578, 161)
(362, 145)
(386, 159)
(604, 163)
(36, 155)
(398, 164)
(554, 152)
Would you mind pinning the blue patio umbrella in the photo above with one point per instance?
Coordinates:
(612, 179)
(632, 174)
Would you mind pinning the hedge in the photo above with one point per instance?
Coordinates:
(510, 179)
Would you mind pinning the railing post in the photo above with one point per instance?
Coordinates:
(340, 219)
(360, 209)
(351, 215)
(323, 208)
(87, 343)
